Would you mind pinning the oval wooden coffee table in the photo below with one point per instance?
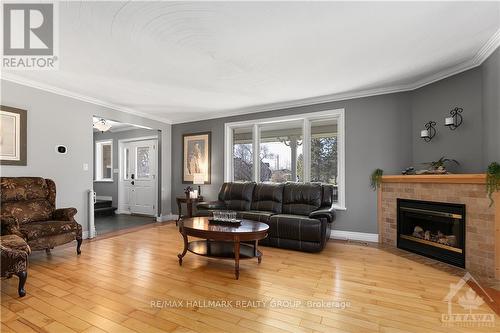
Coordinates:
(222, 241)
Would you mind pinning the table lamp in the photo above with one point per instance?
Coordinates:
(198, 179)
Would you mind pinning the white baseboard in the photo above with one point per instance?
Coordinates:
(167, 217)
(86, 234)
(104, 197)
(352, 235)
(92, 233)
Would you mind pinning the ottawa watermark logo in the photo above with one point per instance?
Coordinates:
(30, 36)
(461, 295)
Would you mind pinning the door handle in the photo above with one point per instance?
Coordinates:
(132, 182)
(132, 176)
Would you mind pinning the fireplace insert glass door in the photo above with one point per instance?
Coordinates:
(432, 229)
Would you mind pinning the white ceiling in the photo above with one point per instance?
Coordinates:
(197, 60)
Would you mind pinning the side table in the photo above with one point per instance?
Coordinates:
(180, 199)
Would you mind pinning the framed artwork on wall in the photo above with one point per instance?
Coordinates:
(196, 157)
(12, 136)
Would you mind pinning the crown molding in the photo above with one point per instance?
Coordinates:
(484, 52)
(124, 129)
(63, 92)
(433, 78)
(299, 103)
(487, 49)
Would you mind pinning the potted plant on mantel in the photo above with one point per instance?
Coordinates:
(437, 167)
(376, 179)
(492, 180)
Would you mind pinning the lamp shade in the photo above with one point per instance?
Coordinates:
(198, 179)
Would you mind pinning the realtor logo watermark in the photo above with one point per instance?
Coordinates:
(467, 298)
(251, 303)
(30, 36)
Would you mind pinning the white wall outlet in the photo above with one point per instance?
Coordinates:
(85, 167)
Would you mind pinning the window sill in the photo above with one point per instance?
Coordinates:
(104, 181)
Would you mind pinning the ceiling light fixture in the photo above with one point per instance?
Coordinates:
(102, 125)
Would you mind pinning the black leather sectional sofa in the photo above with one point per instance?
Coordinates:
(299, 215)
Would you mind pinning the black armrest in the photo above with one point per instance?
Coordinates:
(211, 205)
(327, 212)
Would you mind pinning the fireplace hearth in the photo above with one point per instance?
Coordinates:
(432, 229)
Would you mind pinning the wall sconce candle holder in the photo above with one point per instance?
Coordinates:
(429, 132)
(455, 120)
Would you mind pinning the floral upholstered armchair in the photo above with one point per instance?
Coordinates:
(14, 259)
(28, 210)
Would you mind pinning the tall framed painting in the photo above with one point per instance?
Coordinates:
(12, 136)
(196, 157)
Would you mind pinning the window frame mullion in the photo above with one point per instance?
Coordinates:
(306, 150)
(256, 152)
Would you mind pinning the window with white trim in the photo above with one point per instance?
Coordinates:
(104, 160)
(302, 148)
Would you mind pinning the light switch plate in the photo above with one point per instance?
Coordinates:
(85, 167)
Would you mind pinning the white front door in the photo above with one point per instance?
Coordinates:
(138, 181)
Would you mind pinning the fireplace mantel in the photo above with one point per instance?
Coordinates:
(473, 178)
(482, 220)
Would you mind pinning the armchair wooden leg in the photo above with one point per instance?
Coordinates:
(78, 245)
(22, 280)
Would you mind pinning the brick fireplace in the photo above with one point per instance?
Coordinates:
(482, 223)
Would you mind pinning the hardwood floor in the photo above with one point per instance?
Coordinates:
(112, 285)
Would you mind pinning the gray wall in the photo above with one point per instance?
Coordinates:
(491, 108)
(111, 188)
(54, 119)
(376, 137)
(434, 102)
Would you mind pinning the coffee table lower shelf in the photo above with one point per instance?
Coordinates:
(222, 250)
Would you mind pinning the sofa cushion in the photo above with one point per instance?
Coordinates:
(23, 188)
(41, 229)
(28, 211)
(296, 227)
(268, 197)
(301, 198)
(254, 215)
(237, 196)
